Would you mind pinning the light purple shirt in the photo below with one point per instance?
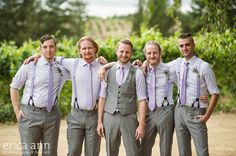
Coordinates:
(196, 67)
(40, 90)
(139, 78)
(164, 75)
(80, 80)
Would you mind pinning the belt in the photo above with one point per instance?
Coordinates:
(84, 110)
(39, 108)
(161, 108)
(187, 107)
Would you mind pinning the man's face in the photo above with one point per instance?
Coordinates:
(186, 47)
(152, 54)
(48, 49)
(124, 53)
(87, 51)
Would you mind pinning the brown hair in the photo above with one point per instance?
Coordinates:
(152, 43)
(127, 42)
(90, 39)
(186, 35)
(47, 37)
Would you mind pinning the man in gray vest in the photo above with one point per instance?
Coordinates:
(38, 115)
(124, 86)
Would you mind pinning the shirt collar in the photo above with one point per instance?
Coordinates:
(192, 60)
(42, 61)
(84, 63)
(156, 67)
(126, 66)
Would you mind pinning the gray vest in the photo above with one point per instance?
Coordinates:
(123, 97)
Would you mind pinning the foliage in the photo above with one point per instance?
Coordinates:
(25, 19)
(219, 49)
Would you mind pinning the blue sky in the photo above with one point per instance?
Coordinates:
(107, 8)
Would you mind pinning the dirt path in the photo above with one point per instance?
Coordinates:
(221, 130)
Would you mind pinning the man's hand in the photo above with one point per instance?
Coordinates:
(203, 118)
(19, 114)
(102, 60)
(140, 131)
(137, 62)
(101, 73)
(100, 129)
(34, 58)
(145, 67)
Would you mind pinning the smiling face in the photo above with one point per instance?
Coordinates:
(48, 49)
(124, 53)
(186, 47)
(152, 52)
(87, 51)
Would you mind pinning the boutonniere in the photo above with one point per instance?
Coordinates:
(196, 71)
(167, 73)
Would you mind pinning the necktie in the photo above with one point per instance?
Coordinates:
(152, 90)
(184, 84)
(89, 89)
(120, 77)
(50, 88)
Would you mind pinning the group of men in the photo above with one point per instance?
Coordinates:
(109, 108)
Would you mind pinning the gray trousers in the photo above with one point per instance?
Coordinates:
(160, 121)
(188, 126)
(118, 125)
(82, 125)
(39, 126)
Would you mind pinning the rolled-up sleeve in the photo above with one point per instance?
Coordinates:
(140, 85)
(210, 79)
(20, 78)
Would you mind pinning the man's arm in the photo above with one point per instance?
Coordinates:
(212, 104)
(140, 131)
(102, 71)
(15, 103)
(100, 127)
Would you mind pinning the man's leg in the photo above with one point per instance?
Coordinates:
(51, 132)
(182, 132)
(166, 129)
(198, 131)
(75, 132)
(92, 139)
(112, 133)
(30, 130)
(150, 134)
(128, 126)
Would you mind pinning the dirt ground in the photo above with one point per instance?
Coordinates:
(221, 134)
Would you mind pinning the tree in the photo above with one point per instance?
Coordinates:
(24, 19)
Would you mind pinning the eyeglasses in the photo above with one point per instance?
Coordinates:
(184, 45)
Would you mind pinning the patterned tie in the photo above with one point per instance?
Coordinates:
(184, 84)
(120, 77)
(89, 88)
(50, 87)
(152, 90)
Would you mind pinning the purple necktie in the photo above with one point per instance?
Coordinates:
(89, 88)
(50, 87)
(120, 75)
(152, 90)
(184, 84)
